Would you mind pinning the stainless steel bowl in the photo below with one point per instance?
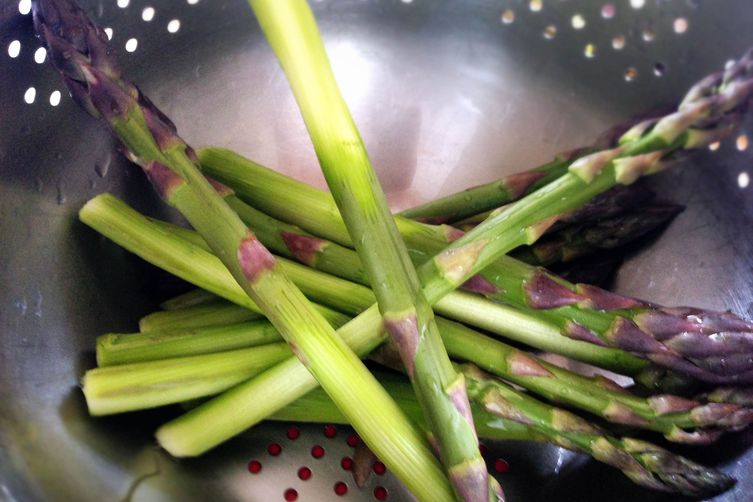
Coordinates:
(446, 94)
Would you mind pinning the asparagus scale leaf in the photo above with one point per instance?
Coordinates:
(80, 52)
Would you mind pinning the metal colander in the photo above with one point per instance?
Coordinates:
(446, 94)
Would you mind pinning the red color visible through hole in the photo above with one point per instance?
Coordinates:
(274, 449)
(304, 473)
(379, 468)
(330, 430)
(293, 432)
(317, 451)
(353, 440)
(291, 494)
(482, 448)
(341, 488)
(381, 493)
(346, 463)
(254, 467)
(501, 465)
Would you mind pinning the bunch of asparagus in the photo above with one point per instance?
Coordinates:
(296, 285)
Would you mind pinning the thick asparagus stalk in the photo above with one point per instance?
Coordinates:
(290, 29)
(136, 386)
(79, 50)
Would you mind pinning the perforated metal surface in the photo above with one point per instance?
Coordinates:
(446, 94)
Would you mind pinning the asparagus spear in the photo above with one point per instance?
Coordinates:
(472, 201)
(577, 240)
(79, 50)
(141, 385)
(123, 348)
(646, 464)
(473, 205)
(514, 282)
(158, 244)
(291, 30)
(593, 316)
(679, 420)
(201, 316)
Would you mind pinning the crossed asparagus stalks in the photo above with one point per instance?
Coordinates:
(151, 141)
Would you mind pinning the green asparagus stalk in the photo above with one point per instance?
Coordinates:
(193, 298)
(79, 50)
(680, 420)
(202, 316)
(480, 199)
(159, 244)
(581, 312)
(474, 205)
(291, 30)
(501, 413)
(137, 386)
(124, 348)
(321, 254)
(666, 414)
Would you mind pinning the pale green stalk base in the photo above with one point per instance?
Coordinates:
(137, 386)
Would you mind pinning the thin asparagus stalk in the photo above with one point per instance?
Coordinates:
(124, 348)
(644, 463)
(291, 30)
(482, 198)
(193, 298)
(203, 316)
(137, 386)
(473, 205)
(80, 52)
(501, 413)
